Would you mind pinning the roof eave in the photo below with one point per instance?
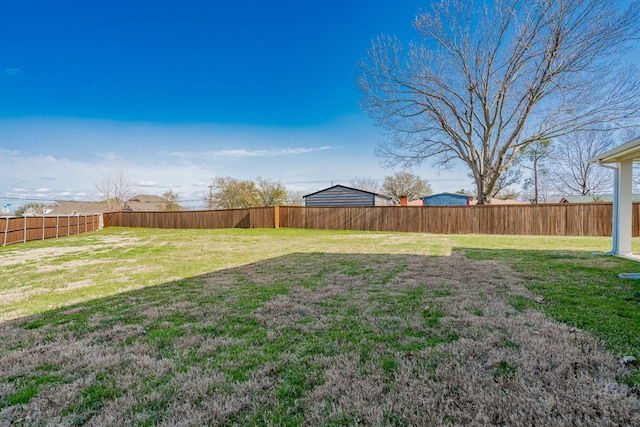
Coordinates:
(627, 151)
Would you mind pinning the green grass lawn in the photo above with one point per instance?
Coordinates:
(293, 327)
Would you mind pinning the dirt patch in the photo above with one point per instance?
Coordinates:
(21, 255)
(37, 254)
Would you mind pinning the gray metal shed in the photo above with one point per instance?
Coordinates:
(339, 195)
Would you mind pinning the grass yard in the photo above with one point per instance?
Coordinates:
(292, 327)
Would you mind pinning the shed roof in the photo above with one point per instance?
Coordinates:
(348, 188)
(454, 195)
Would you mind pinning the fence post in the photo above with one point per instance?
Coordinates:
(6, 231)
(57, 225)
(25, 229)
(43, 226)
(276, 216)
(68, 225)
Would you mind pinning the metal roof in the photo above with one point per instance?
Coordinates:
(454, 195)
(348, 188)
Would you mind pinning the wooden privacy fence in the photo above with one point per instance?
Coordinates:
(232, 218)
(584, 219)
(27, 228)
(549, 219)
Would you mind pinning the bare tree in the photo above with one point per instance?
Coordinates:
(571, 171)
(295, 197)
(115, 189)
(490, 78)
(208, 201)
(271, 193)
(404, 184)
(366, 184)
(544, 193)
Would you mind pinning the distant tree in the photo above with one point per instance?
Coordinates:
(544, 191)
(208, 201)
(22, 209)
(404, 184)
(533, 158)
(571, 171)
(489, 78)
(295, 197)
(465, 192)
(231, 193)
(502, 189)
(507, 194)
(366, 184)
(115, 189)
(271, 193)
(171, 201)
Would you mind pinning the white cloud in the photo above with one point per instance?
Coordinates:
(243, 152)
(9, 152)
(58, 164)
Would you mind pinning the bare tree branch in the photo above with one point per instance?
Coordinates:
(115, 189)
(571, 171)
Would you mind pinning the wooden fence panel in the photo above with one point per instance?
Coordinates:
(24, 229)
(592, 219)
(263, 217)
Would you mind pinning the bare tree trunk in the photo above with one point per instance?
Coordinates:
(483, 189)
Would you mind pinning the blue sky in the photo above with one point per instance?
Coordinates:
(176, 93)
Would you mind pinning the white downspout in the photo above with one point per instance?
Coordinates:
(616, 201)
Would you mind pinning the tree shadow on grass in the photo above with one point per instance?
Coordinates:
(323, 339)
